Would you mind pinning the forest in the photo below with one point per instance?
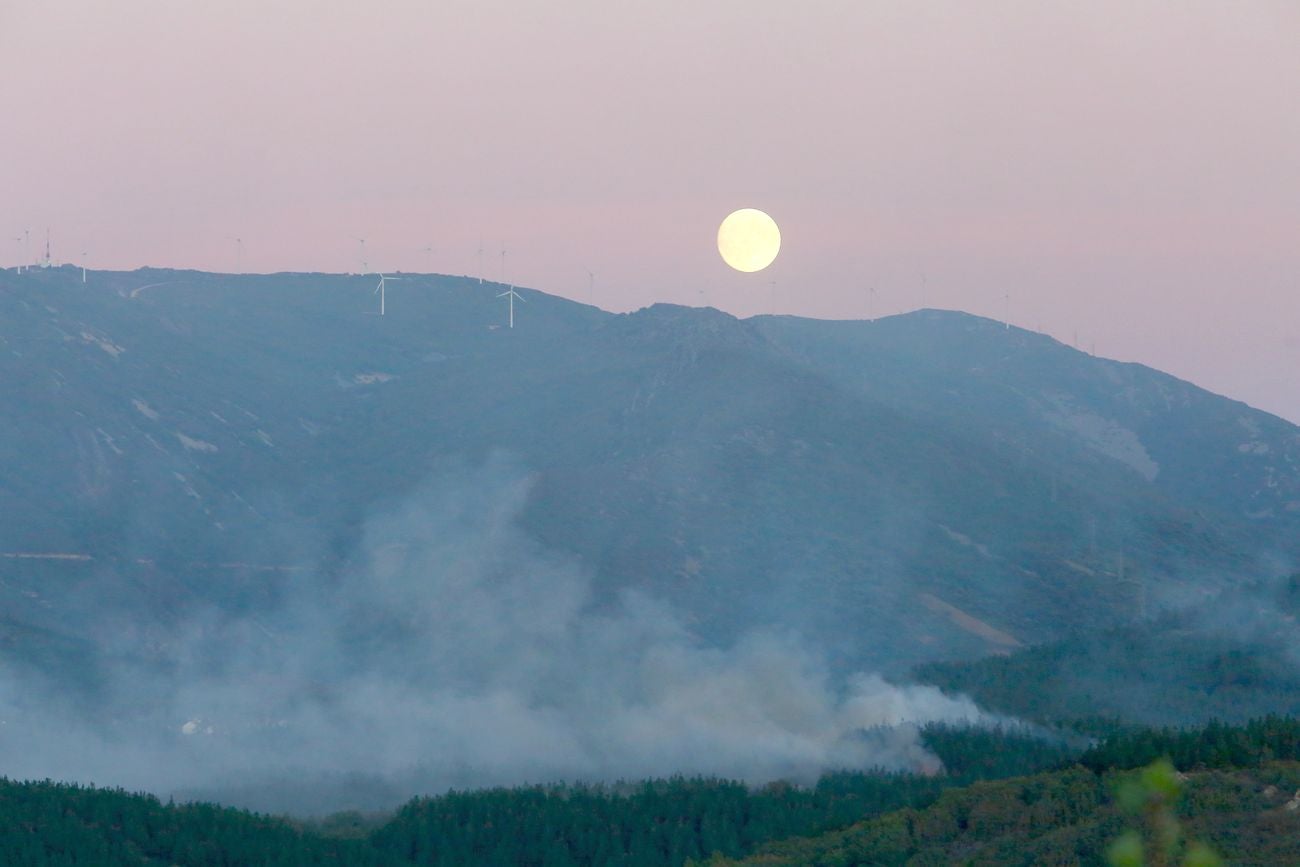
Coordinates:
(1228, 658)
(1006, 796)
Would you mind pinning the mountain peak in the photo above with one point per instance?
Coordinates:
(696, 328)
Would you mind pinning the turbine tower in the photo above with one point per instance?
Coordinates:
(480, 260)
(512, 295)
(380, 291)
(591, 286)
(19, 239)
(83, 266)
(503, 263)
(48, 262)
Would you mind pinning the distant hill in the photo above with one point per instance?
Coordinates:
(922, 487)
(1230, 658)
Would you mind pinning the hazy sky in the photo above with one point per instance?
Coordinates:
(1127, 171)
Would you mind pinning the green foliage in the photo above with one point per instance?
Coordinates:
(1067, 817)
(1231, 795)
(1229, 659)
(58, 824)
(1150, 795)
(1216, 745)
(1084, 814)
(972, 753)
(664, 822)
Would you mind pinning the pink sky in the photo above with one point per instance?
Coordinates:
(1127, 171)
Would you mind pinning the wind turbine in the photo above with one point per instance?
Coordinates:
(512, 295)
(871, 304)
(364, 268)
(480, 260)
(380, 289)
(83, 266)
(503, 263)
(591, 286)
(19, 239)
(427, 250)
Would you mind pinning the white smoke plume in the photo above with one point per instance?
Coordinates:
(457, 652)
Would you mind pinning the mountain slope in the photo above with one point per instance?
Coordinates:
(927, 486)
(1231, 658)
(1068, 817)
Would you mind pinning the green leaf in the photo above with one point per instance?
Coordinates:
(1126, 851)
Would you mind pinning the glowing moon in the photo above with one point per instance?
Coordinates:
(748, 240)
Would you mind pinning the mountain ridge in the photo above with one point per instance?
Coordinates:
(832, 477)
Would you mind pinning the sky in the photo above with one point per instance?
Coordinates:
(1123, 176)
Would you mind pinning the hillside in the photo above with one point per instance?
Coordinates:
(651, 822)
(264, 546)
(1231, 658)
(51, 825)
(1232, 789)
(927, 486)
(1067, 817)
(1006, 799)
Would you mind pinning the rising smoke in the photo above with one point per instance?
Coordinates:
(457, 652)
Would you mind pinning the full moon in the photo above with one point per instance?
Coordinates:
(748, 240)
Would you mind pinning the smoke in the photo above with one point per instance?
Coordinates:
(455, 651)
